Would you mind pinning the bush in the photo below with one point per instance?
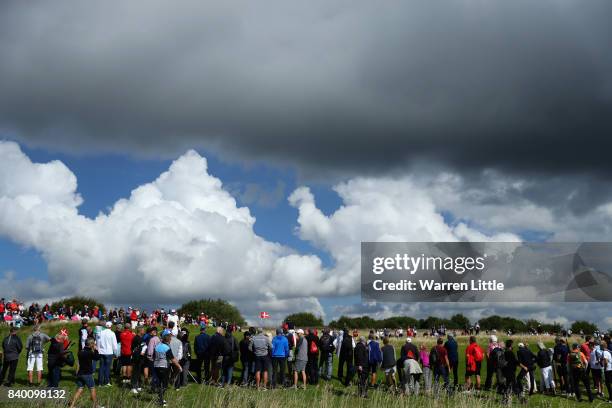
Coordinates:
(77, 303)
(304, 320)
(218, 309)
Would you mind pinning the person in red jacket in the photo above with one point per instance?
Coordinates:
(126, 338)
(473, 363)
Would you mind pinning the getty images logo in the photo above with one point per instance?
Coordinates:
(413, 264)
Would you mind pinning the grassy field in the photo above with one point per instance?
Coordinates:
(326, 394)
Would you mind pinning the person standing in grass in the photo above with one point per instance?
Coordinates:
(374, 358)
(424, 357)
(247, 358)
(473, 363)
(346, 357)
(126, 338)
(438, 357)
(510, 362)
(560, 353)
(607, 363)
(11, 346)
(388, 363)
(312, 369)
(138, 351)
(544, 360)
(361, 366)
(34, 350)
(201, 345)
(326, 361)
(491, 363)
(230, 357)
(527, 362)
(596, 367)
(84, 375)
(261, 346)
(301, 358)
(280, 352)
(55, 359)
(452, 349)
(185, 362)
(107, 347)
(162, 360)
(577, 363)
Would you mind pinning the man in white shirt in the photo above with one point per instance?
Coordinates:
(107, 348)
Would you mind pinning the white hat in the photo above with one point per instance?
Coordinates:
(109, 324)
(300, 331)
(408, 339)
(521, 345)
(493, 338)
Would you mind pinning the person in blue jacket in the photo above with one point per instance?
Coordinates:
(280, 352)
(453, 357)
(202, 342)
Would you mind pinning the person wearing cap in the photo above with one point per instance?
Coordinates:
(173, 318)
(527, 361)
(152, 341)
(201, 348)
(301, 358)
(11, 346)
(577, 363)
(162, 360)
(544, 360)
(596, 367)
(55, 359)
(107, 348)
(493, 344)
(87, 355)
(280, 352)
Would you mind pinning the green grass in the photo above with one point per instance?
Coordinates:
(327, 394)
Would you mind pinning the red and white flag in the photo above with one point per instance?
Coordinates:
(264, 315)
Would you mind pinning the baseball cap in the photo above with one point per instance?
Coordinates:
(300, 331)
(521, 344)
(109, 324)
(408, 339)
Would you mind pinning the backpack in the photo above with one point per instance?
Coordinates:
(433, 357)
(313, 347)
(326, 343)
(36, 344)
(575, 360)
(374, 355)
(478, 355)
(499, 359)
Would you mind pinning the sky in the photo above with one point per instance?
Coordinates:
(243, 151)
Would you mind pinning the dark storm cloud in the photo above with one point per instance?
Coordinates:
(345, 86)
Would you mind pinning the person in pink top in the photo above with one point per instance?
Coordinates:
(424, 355)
